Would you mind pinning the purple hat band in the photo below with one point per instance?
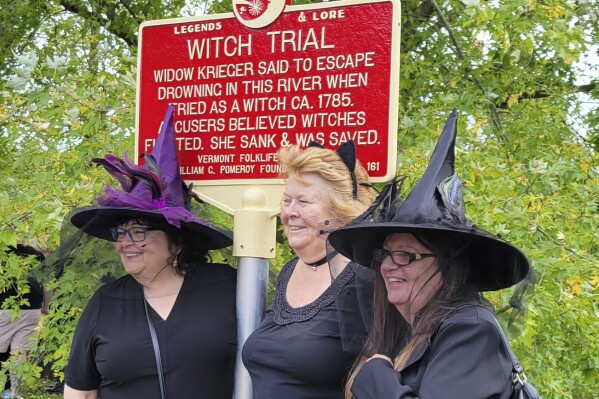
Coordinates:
(174, 215)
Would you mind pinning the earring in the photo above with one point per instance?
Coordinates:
(176, 262)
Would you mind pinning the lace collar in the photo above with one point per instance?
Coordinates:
(283, 313)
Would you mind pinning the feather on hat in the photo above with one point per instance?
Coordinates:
(154, 190)
(434, 205)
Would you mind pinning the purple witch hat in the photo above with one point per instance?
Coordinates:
(154, 190)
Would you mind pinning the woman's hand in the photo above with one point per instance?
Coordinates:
(379, 356)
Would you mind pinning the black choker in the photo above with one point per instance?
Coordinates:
(319, 262)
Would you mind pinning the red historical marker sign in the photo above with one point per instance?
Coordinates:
(327, 72)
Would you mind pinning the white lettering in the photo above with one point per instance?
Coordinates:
(343, 61)
(298, 40)
(214, 47)
(237, 169)
(172, 75)
(305, 83)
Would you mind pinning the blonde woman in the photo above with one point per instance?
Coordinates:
(297, 353)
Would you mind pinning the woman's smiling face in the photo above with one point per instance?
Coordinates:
(302, 211)
(143, 258)
(409, 287)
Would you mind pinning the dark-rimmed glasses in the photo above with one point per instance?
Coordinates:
(400, 258)
(135, 233)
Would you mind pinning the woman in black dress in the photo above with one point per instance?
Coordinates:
(168, 327)
(433, 336)
(297, 353)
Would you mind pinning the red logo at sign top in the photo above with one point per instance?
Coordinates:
(249, 10)
(257, 13)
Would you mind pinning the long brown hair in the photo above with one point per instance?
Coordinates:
(391, 334)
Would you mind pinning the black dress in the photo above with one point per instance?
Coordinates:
(297, 353)
(112, 349)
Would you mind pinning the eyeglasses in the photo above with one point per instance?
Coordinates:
(400, 258)
(136, 233)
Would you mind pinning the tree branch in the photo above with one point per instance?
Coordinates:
(130, 11)
(494, 112)
(559, 244)
(420, 14)
(81, 11)
(588, 88)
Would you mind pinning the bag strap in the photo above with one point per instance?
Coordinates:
(156, 351)
(519, 378)
(515, 363)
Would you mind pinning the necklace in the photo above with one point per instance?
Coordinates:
(319, 262)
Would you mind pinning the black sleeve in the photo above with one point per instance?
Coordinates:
(467, 361)
(377, 380)
(81, 372)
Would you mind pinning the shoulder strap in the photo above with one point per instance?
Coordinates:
(156, 351)
(515, 363)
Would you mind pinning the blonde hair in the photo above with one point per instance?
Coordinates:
(338, 194)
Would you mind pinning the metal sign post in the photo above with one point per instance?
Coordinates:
(252, 284)
(253, 246)
(247, 83)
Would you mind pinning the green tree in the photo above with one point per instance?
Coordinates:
(527, 148)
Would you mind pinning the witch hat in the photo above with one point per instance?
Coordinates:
(436, 205)
(154, 190)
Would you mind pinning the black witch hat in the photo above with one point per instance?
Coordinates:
(436, 205)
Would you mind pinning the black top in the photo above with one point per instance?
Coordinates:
(465, 359)
(112, 348)
(296, 353)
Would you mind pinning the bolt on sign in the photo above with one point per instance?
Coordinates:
(269, 75)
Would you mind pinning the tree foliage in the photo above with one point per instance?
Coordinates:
(527, 147)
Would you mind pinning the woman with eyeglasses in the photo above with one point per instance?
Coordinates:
(433, 335)
(168, 327)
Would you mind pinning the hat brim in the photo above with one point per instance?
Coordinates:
(97, 221)
(497, 263)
